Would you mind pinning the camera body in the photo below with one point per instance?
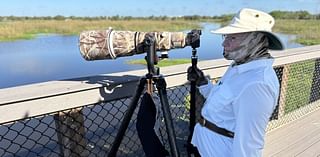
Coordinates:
(193, 38)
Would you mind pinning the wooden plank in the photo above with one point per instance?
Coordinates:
(293, 138)
(302, 143)
(56, 88)
(288, 129)
(310, 147)
(313, 150)
(295, 51)
(34, 107)
(296, 58)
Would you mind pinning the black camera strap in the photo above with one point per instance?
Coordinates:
(211, 126)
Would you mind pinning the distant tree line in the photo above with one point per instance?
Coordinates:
(294, 15)
(276, 14)
(116, 17)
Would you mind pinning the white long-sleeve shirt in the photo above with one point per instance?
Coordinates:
(242, 102)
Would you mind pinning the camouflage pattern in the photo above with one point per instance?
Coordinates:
(109, 44)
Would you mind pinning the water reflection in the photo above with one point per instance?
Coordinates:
(55, 57)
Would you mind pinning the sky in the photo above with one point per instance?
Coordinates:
(148, 7)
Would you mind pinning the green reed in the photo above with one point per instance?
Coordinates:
(27, 29)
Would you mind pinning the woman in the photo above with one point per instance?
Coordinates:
(237, 109)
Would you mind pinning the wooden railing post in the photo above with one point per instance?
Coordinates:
(71, 133)
(283, 90)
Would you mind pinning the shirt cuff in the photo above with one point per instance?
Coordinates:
(205, 89)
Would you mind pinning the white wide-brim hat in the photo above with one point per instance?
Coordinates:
(250, 20)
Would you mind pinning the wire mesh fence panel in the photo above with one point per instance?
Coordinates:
(91, 130)
(50, 135)
(30, 137)
(299, 86)
(178, 98)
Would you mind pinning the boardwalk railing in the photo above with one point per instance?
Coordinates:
(80, 117)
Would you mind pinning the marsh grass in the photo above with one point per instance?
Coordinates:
(162, 63)
(299, 85)
(28, 29)
(307, 31)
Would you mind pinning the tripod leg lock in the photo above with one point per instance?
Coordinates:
(161, 83)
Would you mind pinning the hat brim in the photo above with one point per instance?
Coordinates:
(274, 42)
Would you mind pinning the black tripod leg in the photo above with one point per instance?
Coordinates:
(190, 148)
(192, 107)
(126, 119)
(161, 86)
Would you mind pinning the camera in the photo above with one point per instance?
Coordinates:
(111, 44)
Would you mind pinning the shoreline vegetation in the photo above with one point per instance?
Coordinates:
(301, 23)
(161, 63)
(29, 29)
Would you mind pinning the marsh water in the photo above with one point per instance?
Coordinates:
(56, 57)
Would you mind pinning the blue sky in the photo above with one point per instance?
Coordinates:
(147, 7)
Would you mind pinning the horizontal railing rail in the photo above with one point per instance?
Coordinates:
(36, 99)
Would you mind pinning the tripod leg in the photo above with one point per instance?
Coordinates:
(190, 148)
(126, 119)
(161, 86)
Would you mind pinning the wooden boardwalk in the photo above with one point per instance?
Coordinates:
(299, 138)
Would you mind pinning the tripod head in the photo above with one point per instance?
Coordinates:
(193, 38)
(149, 44)
(151, 58)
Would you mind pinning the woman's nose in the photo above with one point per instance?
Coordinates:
(225, 43)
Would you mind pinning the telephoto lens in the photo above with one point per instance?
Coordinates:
(110, 44)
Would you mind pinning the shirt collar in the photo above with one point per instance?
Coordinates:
(253, 65)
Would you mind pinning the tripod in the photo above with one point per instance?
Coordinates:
(152, 76)
(194, 60)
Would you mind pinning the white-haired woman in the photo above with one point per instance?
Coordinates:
(237, 109)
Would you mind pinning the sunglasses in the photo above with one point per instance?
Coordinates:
(234, 37)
